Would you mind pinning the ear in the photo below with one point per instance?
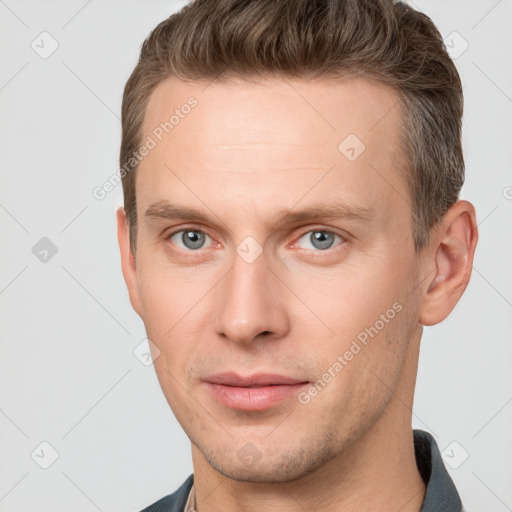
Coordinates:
(452, 248)
(127, 260)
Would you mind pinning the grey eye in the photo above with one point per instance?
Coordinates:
(189, 238)
(320, 239)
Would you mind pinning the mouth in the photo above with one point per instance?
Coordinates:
(256, 392)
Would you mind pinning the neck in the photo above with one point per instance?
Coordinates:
(375, 472)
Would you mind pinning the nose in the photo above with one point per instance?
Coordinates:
(250, 303)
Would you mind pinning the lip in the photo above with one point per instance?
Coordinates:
(255, 392)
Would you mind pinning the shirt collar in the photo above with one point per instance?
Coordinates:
(441, 494)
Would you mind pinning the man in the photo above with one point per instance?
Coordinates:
(291, 222)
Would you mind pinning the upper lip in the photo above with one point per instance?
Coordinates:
(257, 379)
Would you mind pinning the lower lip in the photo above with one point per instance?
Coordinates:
(254, 399)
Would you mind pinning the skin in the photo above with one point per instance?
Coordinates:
(247, 151)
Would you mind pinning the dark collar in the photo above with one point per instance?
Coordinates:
(174, 502)
(441, 494)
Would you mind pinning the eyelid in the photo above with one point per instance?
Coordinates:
(185, 228)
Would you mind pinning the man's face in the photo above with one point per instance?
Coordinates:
(240, 291)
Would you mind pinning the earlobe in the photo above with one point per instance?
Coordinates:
(127, 260)
(453, 250)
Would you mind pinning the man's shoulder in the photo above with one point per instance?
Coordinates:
(174, 502)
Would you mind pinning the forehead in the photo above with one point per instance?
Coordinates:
(274, 137)
(279, 109)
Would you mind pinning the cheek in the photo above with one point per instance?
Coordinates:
(164, 309)
(168, 292)
(357, 376)
(345, 299)
(359, 327)
(175, 305)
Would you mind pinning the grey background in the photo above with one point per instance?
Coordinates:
(68, 374)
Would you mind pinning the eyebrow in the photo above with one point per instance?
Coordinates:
(333, 210)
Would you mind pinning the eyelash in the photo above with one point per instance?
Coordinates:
(328, 250)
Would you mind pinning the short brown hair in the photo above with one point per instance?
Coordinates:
(383, 40)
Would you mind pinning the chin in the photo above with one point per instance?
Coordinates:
(277, 468)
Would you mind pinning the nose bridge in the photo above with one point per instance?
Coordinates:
(248, 302)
